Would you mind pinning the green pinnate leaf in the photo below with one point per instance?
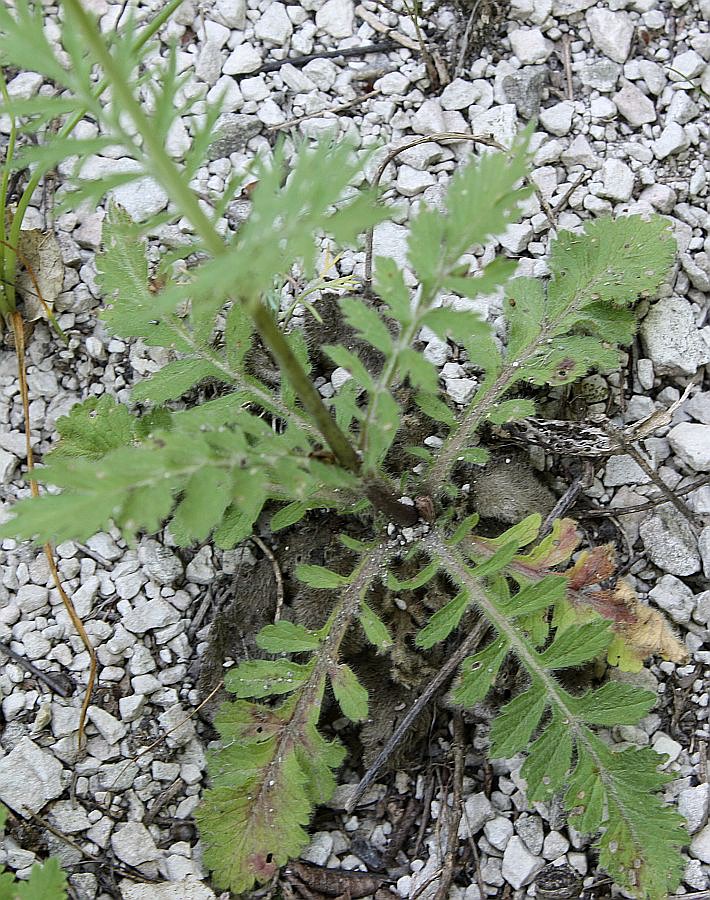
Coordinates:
(436, 409)
(93, 428)
(319, 577)
(389, 284)
(478, 673)
(287, 637)
(576, 646)
(350, 694)
(536, 596)
(46, 882)
(422, 577)
(288, 515)
(264, 677)
(548, 761)
(616, 261)
(613, 703)
(511, 410)
(443, 622)
(367, 323)
(513, 728)
(375, 629)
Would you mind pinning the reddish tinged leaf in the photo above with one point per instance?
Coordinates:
(592, 567)
(554, 549)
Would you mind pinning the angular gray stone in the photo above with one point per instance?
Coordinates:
(524, 89)
(634, 105)
(700, 845)
(149, 614)
(160, 562)
(601, 75)
(133, 844)
(691, 442)
(232, 132)
(476, 812)
(29, 778)
(530, 45)
(336, 18)
(674, 598)
(611, 32)
(672, 140)
(557, 119)
(670, 542)
(671, 338)
(694, 803)
(520, 866)
(274, 25)
(243, 59)
(617, 181)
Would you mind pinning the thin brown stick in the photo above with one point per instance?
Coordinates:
(298, 61)
(35, 282)
(645, 507)
(341, 107)
(278, 577)
(442, 676)
(18, 328)
(567, 62)
(162, 737)
(463, 53)
(46, 677)
(456, 811)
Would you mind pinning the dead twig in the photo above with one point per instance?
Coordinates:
(278, 577)
(299, 61)
(466, 40)
(341, 107)
(567, 63)
(63, 689)
(456, 811)
(446, 671)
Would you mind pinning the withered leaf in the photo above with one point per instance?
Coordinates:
(39, 250)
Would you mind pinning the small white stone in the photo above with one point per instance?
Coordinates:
(682, 109)
(530, 45)
(700, 845)
(149, 615)
(339, 377)
(694, 803)
(393, 83)
(671, 338)
(274, 25)
(131, 707)
(555, 845)
(672, 140)
(519, 864)
(133, 844)
(459, 94)
(579, 153)
(108, 726)
(663, 744)
(429, 118)
(319, 850)
(244, 59)
(32, 597)
(634, 105)
(24, 85)
(674, 597)
(498, 832)
(602, 109)
(515, 238)
(8, 464)
(686, 66)
(691, 442)
(500, 122)
(612, 32)
(653, 75)
(477, 811)
(460, 389)
(411, 182)
(617, 181)
(336, 18)
(557, 119)
(29, 778)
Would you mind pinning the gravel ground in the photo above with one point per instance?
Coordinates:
(620, 92)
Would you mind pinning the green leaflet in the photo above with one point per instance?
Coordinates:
(318, 577)
(93, 428)
(478, 673)
(264, 677)
(375, 629)
(350, 694)
(576, 646)
(443, 622)
(549, 759)
(47, 881)
(273, 767)
(513, 728)
(423, 577)
(287, 637)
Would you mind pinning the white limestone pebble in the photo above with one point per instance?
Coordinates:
(617, 181)
(133, 844)
(694, 804)
(243, 59)
(520, 866)
(634, 105)
(274, 25)
(672, 140)
(691, 441)
(29, 778)
(557, 119)
(672, 340)
(336, 18)
(611, 32)
(530, 45)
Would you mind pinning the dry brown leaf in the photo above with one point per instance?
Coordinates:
(40, 250)
(650, 633)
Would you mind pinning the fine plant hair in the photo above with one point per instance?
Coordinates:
(274, 448)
